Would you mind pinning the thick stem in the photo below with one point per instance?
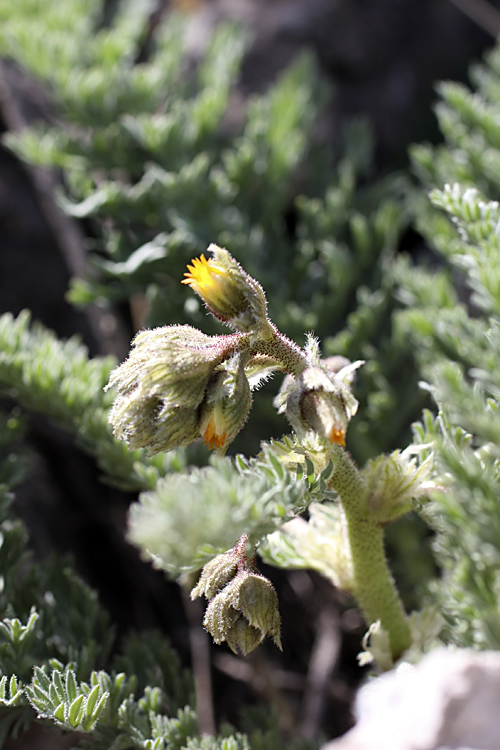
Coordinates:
(373, 586)
(374, 589)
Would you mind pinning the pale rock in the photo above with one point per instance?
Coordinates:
(449, 701)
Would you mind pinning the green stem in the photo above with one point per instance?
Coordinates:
(373, 587)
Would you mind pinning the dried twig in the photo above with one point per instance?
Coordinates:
(323, 659)
(106, 329)
(200, 663)
(481, 12)
(240, 668)
(147, 44)
(266, 680)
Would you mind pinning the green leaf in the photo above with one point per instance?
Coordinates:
(59, 713)
(309, 470)
(92, 699)
(71, 686)
(3, 685)
(58, 685)
(76, 711)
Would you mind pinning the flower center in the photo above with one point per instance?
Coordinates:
(337, 436)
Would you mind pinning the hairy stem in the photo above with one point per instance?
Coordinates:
(278, 346)
(373, 586)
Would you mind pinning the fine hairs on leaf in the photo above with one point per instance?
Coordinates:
(227, 501)
(458, 348)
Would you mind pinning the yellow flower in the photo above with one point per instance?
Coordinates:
(204, 279)
(230, 294)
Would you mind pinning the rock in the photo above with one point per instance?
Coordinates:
(450, 701)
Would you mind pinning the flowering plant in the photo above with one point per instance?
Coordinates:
(179, 384)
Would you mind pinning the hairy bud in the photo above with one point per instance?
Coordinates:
(162, 384)
(216, 574)
(243, 607)
(244, 613)
(319, 401)
(227, 403)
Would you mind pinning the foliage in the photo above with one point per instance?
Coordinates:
(58, 653)
(458, 347)
(228, 499)
(452, 318)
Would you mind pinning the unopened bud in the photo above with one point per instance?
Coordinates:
(227, 403)
(161, 386)
(228, 291)
(258, 603)
(319, 401)
(244, 613)
(216, 574)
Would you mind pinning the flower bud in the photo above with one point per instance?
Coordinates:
(227, 403)
(256, 599)
(216, 574)
(319, 401)
(148, 424)
(244, 613)
(228, 291)
(161, 386)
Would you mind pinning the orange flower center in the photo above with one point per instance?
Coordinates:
(213, 438)
(337, 436)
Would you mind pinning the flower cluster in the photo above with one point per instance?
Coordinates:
(174, 387)
(243, 607)
(179, 384)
